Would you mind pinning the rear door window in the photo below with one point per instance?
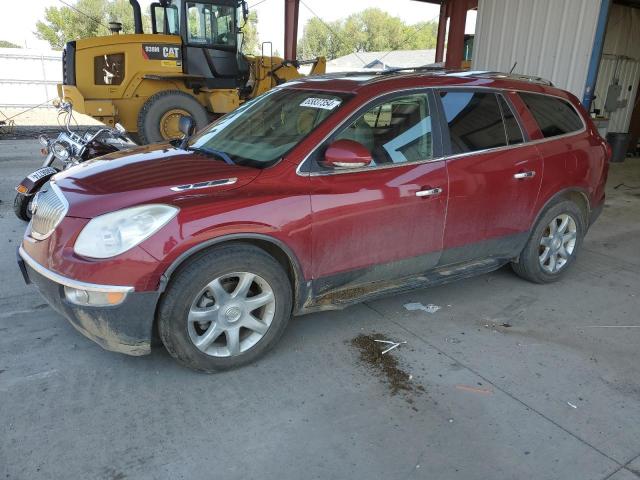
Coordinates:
(474, 120)
(553, 115)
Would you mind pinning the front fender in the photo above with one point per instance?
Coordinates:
(34, 181)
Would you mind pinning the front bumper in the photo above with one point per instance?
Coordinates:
(125, 328)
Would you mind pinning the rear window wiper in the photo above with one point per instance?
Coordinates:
(211, 151)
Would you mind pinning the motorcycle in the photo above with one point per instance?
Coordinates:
(69, 149)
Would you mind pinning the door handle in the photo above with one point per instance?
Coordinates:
(431, 192)
(529, 174)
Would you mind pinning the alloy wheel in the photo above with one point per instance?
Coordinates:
(557, 243)
(231, 314)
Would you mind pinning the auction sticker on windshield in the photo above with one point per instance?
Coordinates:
(324, 103)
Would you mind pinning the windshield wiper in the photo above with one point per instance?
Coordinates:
(211, 151)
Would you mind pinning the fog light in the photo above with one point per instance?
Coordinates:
(92, 298)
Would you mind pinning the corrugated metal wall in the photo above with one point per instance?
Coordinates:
(628, 74)
(552, 39)
(621, 60)
(28, 77)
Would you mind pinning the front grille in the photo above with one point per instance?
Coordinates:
(50, 208)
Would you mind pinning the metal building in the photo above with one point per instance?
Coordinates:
(589, 47)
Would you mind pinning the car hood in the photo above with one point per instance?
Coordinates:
(146, 175)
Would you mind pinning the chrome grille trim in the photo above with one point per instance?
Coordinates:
(51, 208)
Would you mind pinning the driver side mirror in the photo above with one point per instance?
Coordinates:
(187, 126)
(346, 154)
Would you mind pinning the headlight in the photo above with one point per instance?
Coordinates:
(44, 140)
(61, 151)
(114, 233)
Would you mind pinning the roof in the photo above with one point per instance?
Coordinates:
(400, 79)
(381, 60)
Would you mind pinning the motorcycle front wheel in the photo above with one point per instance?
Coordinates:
(22, 206)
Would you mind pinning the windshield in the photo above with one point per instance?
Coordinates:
(266, 128)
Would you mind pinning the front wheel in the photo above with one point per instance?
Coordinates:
(553, 245)
(22, 206)
(159, 118)
(225, 309)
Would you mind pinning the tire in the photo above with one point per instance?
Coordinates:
(189, 296)
(535, 262)
(21, 206)
(160, 104)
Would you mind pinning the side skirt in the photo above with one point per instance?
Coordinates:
(343, 297)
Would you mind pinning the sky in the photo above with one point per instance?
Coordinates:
(21, 16)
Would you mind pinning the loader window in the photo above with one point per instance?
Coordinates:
(165, 19)
(109, 69)
(210, 25)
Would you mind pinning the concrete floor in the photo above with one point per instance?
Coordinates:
(554, 396)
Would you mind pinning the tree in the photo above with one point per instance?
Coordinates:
(89, 18)
(323, 39)
(5, 44)
(371, 30)
(250, 41)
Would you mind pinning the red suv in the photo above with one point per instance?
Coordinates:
(323, 192)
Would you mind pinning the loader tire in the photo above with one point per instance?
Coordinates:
(157, 120)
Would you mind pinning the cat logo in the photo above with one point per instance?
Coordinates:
(161, 52)
(170, 52)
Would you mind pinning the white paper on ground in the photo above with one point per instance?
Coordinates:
(431, 308)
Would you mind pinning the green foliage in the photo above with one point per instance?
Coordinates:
(251, 43)
(5, 44)
(62, 24)
(323, 39)
(371, 30)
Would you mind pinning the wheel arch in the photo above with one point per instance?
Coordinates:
(271, 245)
(577, 195)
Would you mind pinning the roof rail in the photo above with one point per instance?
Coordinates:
(511, 76)
(423, 68)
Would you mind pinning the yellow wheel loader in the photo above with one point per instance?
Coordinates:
(190, 64)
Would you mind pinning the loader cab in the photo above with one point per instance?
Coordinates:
(210, 38)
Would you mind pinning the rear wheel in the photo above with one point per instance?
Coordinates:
(553, 244)
(22, 206)
(225, 309)
(159, 116)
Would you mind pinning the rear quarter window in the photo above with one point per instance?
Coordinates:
(553, 115)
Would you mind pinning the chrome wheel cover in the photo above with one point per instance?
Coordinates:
(557, 243)
(231, 314)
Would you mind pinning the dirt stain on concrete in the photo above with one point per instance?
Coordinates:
(386, 366)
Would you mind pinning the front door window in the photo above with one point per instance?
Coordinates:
(396, 131)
